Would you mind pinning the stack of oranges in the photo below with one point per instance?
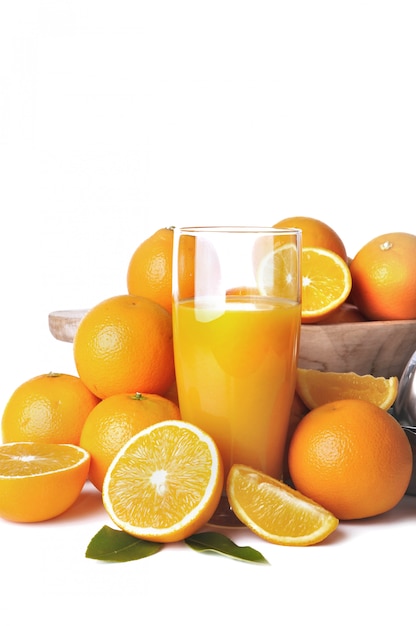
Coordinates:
(123, 353)
(125, 388)
(379, 283)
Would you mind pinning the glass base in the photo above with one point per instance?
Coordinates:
(224, 515)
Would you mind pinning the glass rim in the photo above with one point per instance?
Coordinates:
(261, 230)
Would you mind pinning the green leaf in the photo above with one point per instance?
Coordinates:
(116, 545)
(216, 542)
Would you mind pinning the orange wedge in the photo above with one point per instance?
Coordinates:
(326, 283)
(39, 481)
(316, 388)
(165, 483)
(276, 512)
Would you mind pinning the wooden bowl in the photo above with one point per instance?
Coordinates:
(63, 324)
(378, 348)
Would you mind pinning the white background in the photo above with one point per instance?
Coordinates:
(118, 118)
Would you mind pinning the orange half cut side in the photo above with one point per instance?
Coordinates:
(39, 481)
(326, 283)
(165, 482)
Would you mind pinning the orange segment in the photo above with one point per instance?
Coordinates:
(276, 512)
(316, 388)
(39, 481)
(326, 283)
(165, 483)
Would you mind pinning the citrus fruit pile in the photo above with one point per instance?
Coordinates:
(378, 283)
(118, 421)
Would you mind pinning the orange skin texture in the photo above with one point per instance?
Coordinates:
(50, 408)
(384, 277)
(351, 457)
(315, 234)
(125, 345)
(149, 273)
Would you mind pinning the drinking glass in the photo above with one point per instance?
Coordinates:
(236, 324)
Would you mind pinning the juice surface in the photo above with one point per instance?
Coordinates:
(236, 371)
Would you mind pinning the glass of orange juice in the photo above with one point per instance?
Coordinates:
(236, 324)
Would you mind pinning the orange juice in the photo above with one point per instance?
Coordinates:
(236, 371)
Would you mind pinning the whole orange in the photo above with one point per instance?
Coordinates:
(124, 345)
(114, 421)
(384, 277)
(351, 457)
(149, 273)
(315, 234)
(50, 408)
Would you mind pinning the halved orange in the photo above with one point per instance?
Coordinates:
(326, 283)
(39, 481)
(276, 512)
(165, 482)
(316, 388)
(278, 272)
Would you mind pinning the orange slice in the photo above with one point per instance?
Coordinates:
(316, 388)
(165, 483)
(39, 481)
(276, 512)
(326, 283)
